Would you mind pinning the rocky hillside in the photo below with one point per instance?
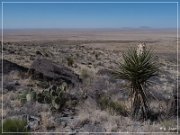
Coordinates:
(67, 86)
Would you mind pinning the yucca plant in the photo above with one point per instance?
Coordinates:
(138, 69)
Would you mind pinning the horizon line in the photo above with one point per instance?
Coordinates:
(88, 2)
(143, 27)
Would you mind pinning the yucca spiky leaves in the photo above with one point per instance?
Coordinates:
(138, 69)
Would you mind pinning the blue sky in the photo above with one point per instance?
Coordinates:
(89, 15)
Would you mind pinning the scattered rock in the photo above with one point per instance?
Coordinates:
(64, 121)
(67, 112)
(10, 85)
(51, 128)
(92, 128)
(107, 72)
(32, 121)
(38, 53)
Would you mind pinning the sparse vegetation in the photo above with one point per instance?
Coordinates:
(96, 56)
(106, 102)
(85, 74)
(70, 61)
(169, 125)
(15, 125)
(80, 110)
(55, 96)
(27, 96)
(138, 69)
(43, 84)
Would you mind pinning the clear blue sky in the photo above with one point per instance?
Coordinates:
(89, 15)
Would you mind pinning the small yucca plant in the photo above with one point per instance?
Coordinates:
(138, 69)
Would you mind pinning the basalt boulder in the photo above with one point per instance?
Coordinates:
(9, 66)
(48, 70)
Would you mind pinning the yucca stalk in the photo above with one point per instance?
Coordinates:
(138, 69)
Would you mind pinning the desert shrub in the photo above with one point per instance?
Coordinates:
(27, 96)
(118, 108)
(97, 56)
(169, 125)
(138, 69)
(106, 103)
(55, 96)
(85, 74)
(70, 61)
(114, 129)
(15, 125)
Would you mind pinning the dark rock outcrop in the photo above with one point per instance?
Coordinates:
(48, 70)
(174, 109)
(9, 66)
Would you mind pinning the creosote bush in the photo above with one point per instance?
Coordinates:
(138, 69)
